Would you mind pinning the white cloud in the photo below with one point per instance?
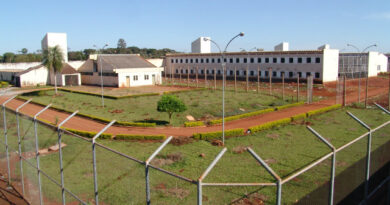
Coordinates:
(380, 16)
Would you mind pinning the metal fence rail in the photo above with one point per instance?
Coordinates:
(279, 181)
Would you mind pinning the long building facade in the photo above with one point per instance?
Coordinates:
(321, 64)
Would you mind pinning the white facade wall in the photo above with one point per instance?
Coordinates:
(281, 47)
(158, 62)
(53, 39)
(201, 46)
(21, 66)
(34, 77)
(330, 65)
(377, 62)
(136, 77)
(76, 64)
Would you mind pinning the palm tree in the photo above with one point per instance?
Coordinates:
(53, 60)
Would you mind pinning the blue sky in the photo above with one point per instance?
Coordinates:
(305, 24)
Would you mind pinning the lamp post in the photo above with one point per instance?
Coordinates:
(223, 64)
(360, 58)
(247, 66)
(101, 70)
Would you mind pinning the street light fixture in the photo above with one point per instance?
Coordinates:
(223, 64)
(101, 71)
(360, 56)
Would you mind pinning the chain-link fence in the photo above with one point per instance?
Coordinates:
(87, 173)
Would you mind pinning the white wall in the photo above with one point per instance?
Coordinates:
(201, 46)
(53, 39)
(21, 66)
(158, 62)
(377, 62)
(34, 77)
(140, 72)
(330, 65)
(76, 64)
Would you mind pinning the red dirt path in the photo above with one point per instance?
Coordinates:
(377, 86)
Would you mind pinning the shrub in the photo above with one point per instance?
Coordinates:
(270, 125)
(323, 110)
(193, 124)
(88, 134)
(139, 137)
(4, 84)
(245, 115)
(216, 135)
(298, 117)
(289, 105)
(136, 124)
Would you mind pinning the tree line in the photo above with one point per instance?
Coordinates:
(24, 56)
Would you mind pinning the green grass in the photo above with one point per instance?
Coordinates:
(201, 104)
(287, 149)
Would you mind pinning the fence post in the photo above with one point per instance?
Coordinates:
(60, 153)
(344, 91)
(215, 78)
(37, 151)
(258, 79)
(272, 172)
(188, 76)
(235, 79)
(283, 85)
(205, 173)
(20, 143)
(333, 172)
(270, 80)
(196, 76)
(6, 138)
(95, 180)
(147, 162)
(298, 88)
(368, 159)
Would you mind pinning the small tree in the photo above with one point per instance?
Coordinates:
(170, 104)
(53, 60)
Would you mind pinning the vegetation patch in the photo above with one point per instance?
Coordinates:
(88, 134)
(139, 137)
(194, 124)
(209, 136)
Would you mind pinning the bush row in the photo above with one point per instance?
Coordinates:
(139, 137)
(108, 96)
(217, 135)
(89, 134)
(285, 121)
(250, 114)
(100, 119)
(4, 84)
(193, 124)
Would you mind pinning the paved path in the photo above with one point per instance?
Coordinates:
(81, 123)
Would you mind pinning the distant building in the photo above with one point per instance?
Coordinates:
(120, 70)
(201, 45)
(281, 47)
(356, 64)
(54, 39)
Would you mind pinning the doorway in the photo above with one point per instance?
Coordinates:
(127, 81)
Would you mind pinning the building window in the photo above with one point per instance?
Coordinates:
(244, 72)
(317, 75)
(231, 60)
(266, 73)
(219, 72)
(318, 60)
(258, 60)
(308, 60)
(237, 60)
(186, 60)
(245, 60)
(212, 71)
(181, 71)
(135, 77)
(207, 71)
(231, 72)
(274, 60)
(224, 60)
(282, 60)
(201, 60)
(196, 61)
(308, 74)
(266, 60)
(171, 60)
(177, 60)
(212, 60)
(202, 71)
(191, 60)
(290, 74)
(207, 60)
(177, 71)
(300, 74)
(237, 72)
(252, 60)
(219, 60)
(299, 60)
(291, 60)
(274, 74)
(95, 68)
(252, 73)
(146, 77)
(192, 71)
(181, 60)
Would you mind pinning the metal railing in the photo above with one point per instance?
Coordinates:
(279, 181)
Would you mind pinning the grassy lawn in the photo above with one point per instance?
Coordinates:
(286, 149)
(201, 104)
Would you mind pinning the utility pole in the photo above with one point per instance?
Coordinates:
(270, 80)
(258, 79)
(298, 88)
